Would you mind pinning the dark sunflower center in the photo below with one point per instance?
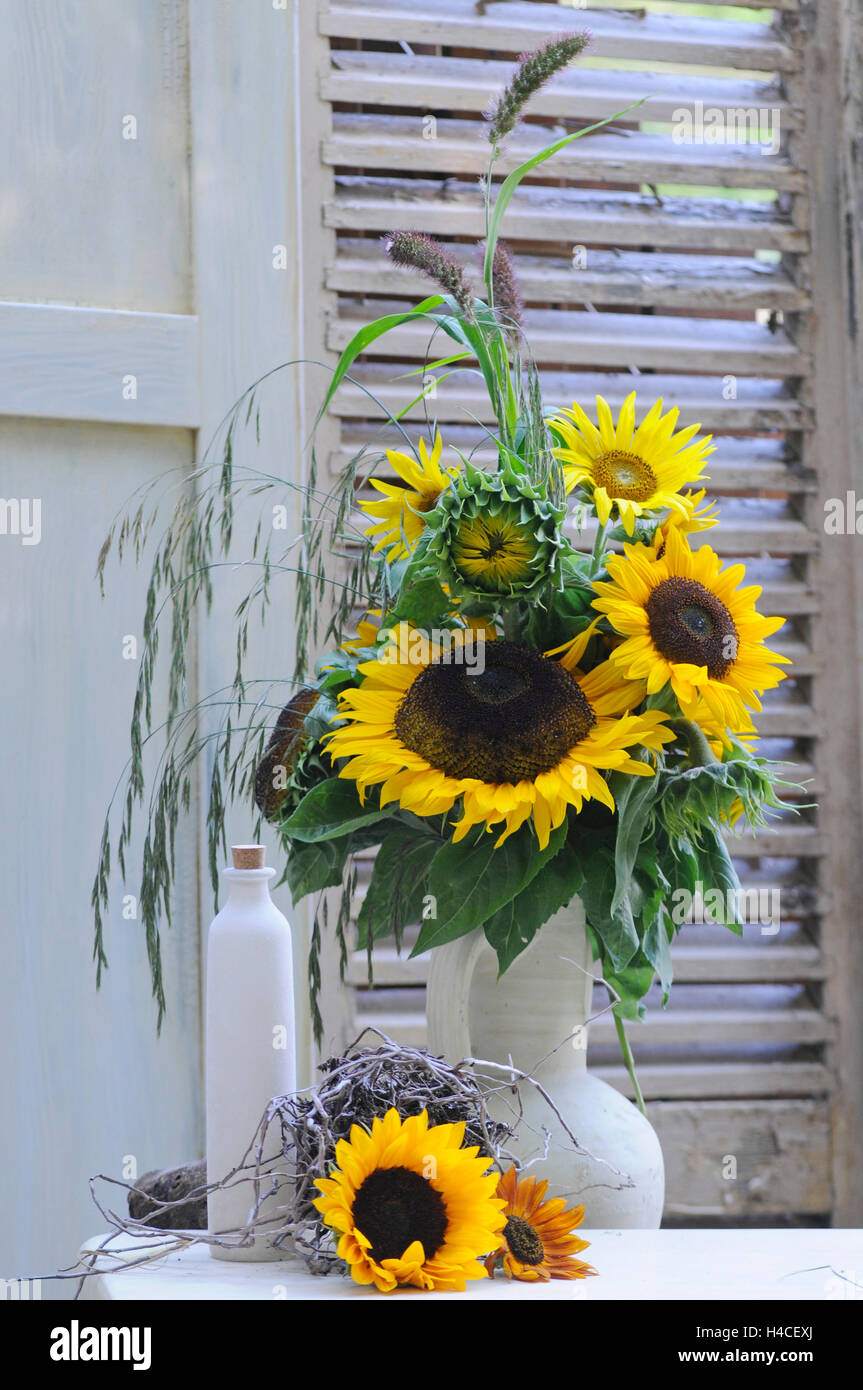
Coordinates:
(523, 1241)
(517, 718)
(394, 1207)
(625, 475)
(690, 624)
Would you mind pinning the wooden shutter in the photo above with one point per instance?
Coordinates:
(702, 265)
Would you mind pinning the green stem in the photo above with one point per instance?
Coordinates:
(700, 752)
(596, 560)
(630, 1063)
(489, 283)
(512, 624)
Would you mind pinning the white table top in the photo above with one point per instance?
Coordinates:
(674, 1264)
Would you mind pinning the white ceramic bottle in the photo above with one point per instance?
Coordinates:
(250, 1043)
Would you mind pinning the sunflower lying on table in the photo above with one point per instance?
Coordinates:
(412, 1206)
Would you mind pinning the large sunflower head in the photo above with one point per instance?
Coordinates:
(686, 621)
(538, 1238)
(496, 534)
(400, 512)
(513, 734)
(629, 470)
(411, 1205)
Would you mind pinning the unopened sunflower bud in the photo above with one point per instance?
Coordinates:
(533, 71)
(507, 300)
(422, 251)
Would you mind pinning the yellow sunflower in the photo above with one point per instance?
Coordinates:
(511, 732)
(628, 469)
(366, 633)
(400, 512)
(701, 517)
(538, 1240)
(685, 620)
(411, 1205)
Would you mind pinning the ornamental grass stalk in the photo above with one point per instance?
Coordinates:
(534, 70)
(421, 251)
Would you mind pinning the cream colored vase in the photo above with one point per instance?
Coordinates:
(544, 998)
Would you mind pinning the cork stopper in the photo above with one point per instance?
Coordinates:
(248, 856)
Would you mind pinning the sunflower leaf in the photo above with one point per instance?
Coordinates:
(617, 932)
(470, 881)
(422, 602)
(634, 797)
(312, 867)
(514, 925)
(631, 984)
(658, 934)
(331, 809)
(398, 884)
(720, 875)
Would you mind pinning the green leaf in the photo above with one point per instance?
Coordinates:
(514, 925)
(329, 810)
(617, 932)
(470, 881)
(424, 602)
(634, 797)
(312, 867)
(631, 984)
(719, 873)
(366, 336)
(657, 943)
(398, 884)
(479, 337)
(512, 181)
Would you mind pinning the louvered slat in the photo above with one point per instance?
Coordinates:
(395, 143)
(573, 216)
(634, 278)
(514, 27)
(644, 341)
(760, 405)
(460, 84)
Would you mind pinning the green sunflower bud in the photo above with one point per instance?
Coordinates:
(497, 535)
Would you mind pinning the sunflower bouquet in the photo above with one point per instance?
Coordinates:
(539, 683)
(522, 717)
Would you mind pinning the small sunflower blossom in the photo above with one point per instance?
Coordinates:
(687, 623)
(630, 470)
(401, 512)
(538, 1243)
(701, 516)
(366, 634)
(410, 1205)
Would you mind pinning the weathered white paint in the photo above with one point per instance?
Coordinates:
(85, 1086)
(65, 363)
